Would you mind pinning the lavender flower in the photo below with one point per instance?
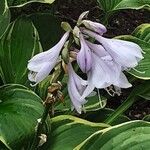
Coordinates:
(109, 58)
(84, 56)
(41, 64)
(94, 26)
(125, 53)
(76, 87)
(104, 72)
(103, 62)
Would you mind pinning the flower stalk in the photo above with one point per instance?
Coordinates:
(40, 125)
(52, 96)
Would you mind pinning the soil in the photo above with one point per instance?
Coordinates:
(123, 22)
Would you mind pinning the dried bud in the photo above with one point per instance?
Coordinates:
(43, 139)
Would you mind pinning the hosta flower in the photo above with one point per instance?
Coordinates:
(76, 87)
(109, 58)
(104, 72)
(102, 59)
(84, 56)
(94, 26)
(125, 53)
(41, 64)
(106, 69)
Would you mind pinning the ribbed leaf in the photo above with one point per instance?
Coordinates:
(101, 115)
(112, 5)
(20, 3)
(4, 17)
(68, 131)
(17, 46)
(134, 135)
(92, 104)
(142, 32)
(147, 118)
(48, 27)
(19, 111)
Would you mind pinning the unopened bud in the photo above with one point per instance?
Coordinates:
(66, 26)
(65, 55)
(82, 16)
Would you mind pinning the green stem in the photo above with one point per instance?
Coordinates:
(106, 18)
(36, 139)
(121, 109)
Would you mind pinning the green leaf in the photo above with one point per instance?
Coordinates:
(48, 27)
(141, 36)
(17, 46)
(143, 32)
(19, 111)
(112, 5)
(100, 115)
(95, 102)
(42, 89)
(134, 135)
(4, 17)
(68, 131)
(147, 118)
(92, 104)
(20, 3)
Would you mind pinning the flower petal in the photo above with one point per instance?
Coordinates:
(94, 26)
(87, 91)
(122, 82)
(41, 64)
(98, 49)
(84, 56)
(75, 88)
(125, 53)
(79, 83)
(104, 72)
(37, 61)
(43, 72)
(99, 75)
(41, 75)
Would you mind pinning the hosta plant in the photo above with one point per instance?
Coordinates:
(57, 79)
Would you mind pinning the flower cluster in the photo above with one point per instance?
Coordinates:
(102, 59)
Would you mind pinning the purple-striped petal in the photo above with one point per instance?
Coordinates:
(84, 59)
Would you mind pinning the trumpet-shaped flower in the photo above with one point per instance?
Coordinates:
(104, 72)
(125, 53)
(84, 56)
(76, 87)
(103, 62)
(41, 64)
